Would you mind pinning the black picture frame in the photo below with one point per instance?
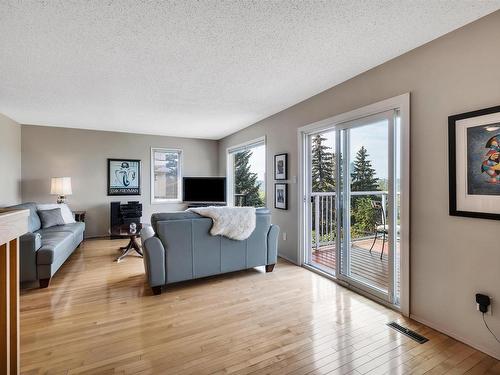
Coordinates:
(452, 163)
(122, 191)
(281, 176)
(284, 204)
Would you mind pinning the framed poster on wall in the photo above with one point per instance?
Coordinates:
(124, 177)
(280, 166)
(281, 196)
(474, 164)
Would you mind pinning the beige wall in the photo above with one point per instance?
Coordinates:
(10, 161)
(83, 154)
(451, 257)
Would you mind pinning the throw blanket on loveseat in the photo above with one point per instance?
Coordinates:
(236, 223)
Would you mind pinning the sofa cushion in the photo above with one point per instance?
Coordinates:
(75, 228)
(51, 218)
(66, 213)
(33, 220)
(54, 245)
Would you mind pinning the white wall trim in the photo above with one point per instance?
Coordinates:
(454, 335)
(402, 103)
(356, 114)
(288, 259)
(246, 144)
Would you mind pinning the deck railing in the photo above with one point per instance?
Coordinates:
(324, 215)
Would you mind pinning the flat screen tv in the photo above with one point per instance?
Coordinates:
(204, 189)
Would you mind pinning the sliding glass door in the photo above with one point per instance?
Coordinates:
(322, 210)
(352, 203)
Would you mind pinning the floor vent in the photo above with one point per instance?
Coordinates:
(408, 332)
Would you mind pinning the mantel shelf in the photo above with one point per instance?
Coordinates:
(13, 223)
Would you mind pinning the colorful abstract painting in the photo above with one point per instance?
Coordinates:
(483, 160)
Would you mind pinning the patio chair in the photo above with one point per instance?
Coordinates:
(381, 227)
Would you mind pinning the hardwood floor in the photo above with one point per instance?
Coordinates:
(99, 317)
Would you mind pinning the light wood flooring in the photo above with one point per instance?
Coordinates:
(99, 317)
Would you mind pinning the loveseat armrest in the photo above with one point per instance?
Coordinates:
(272, 244)
(154, 261)
(29, 244)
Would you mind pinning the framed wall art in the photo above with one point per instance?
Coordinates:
(281, 167)
(281, 196)
(474, 164)
(124, 177)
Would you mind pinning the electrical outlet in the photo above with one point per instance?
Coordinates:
(490, 307)
(284, 236)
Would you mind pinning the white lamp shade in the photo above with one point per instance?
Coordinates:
(60, 186)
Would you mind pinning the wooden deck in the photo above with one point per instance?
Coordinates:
(365, 266)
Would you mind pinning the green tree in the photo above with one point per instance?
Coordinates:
(245, 181)
(363, 174)
(363, 179)
(363, 217)
(323, 166)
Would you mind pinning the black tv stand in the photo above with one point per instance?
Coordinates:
(195, 205)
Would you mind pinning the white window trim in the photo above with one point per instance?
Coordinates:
(402, 103)
(179, 176)
(230, 151)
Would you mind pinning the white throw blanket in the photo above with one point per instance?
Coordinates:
(236, 223)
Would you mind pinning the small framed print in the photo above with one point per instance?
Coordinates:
(281, 196)
(280, 166)
(474, 163)
(124, 177)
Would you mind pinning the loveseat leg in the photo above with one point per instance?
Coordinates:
(44, 283)
(156, 290)
(269, 267)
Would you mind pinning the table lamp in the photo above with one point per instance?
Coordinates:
(60, 186)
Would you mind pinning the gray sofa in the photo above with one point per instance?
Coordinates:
(43, 251)
(182, 248)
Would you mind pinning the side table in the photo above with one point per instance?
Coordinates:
(125, 232)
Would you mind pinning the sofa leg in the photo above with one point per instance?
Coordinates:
(44, 283)
(269, 267)
(156, 290)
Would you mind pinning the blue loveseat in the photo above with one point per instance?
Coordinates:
(43, 251)
(182, 248)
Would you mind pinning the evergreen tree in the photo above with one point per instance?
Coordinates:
(245, 180)
(363, 174)
(323, 166)
(362, 179)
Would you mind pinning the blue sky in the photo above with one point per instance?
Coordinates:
(258, 161)
(375, 139)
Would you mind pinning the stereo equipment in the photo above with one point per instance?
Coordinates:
(130, 212)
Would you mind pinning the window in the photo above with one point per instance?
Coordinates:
(246, 172)
(166, 185)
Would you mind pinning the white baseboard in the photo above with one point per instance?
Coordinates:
(447, 332)
(288, 259)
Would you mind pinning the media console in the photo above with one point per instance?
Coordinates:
(195, 205)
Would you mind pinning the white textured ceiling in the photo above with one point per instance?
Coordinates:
(200, 69)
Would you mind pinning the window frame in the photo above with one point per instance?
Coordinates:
(230, 152)
(178, 199)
